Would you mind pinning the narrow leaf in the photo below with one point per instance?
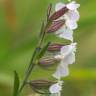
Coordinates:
(49, 10)
(43, 50)
(16, 84)
(42, 29)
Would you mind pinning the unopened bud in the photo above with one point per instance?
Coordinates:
(55, 47)
(40, 84)
(56, 25)
(47, 61)
(59, 13)
(49, 10)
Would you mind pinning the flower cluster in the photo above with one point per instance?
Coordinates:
(70, 17)
(67, 52)
(62, 23)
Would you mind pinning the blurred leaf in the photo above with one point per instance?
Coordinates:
(16, 84)
(42, 29)
(49, 11)
(43, 50)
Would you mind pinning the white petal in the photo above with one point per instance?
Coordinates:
(66, 50)
(59, 57)
(71, 24)
(55, 88)
(70, 54)
(65, 33)
(73, 5)
(59, 6)
(73, 15)
(70, 59)
(61, 71)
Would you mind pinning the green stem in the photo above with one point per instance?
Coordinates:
(24, 82)
(32, 64)
(30, 68)
(44, 32)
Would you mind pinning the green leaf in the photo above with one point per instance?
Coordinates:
(43, 50)
(42, 29)
(49, 11)
(16, 84)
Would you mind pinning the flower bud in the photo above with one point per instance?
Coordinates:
(47, 61)
(55, 47)
(49, 10)
(59, 13)
(40, 84)
(56, 25)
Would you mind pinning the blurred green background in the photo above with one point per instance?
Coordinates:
(20, 22)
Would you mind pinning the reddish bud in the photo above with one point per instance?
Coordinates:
(59, 13)
(47, 61)
(54, 47)
(49, 10)
(56, 25)
(40, 84)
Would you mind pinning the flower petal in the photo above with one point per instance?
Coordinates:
(55, 88)
(65, 33)
(73, 15)
(59, 6)
(71, 24)
(73, 5)
(70, 59)
(66, 50)
(62, 71)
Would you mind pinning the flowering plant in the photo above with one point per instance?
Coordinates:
(62, 23)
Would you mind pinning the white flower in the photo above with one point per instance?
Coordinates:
(71, 17)
(72, 5)
(55, 89)
(72, 13)
(67, 56)
(65, 33)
